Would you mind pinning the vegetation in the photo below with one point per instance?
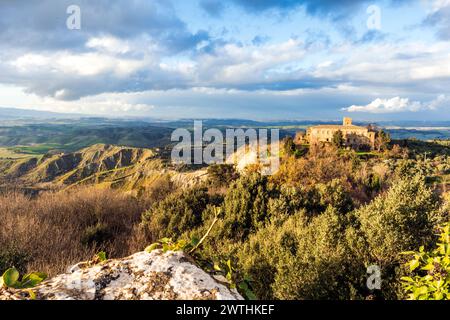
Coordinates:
(55, 230)
(308, 232)
(430, 271)
(338, 139)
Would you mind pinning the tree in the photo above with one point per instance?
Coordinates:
(338, 139)
(289, 146)
(382, 140)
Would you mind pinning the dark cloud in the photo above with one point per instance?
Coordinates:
(213, 7)
(259, 39)
(42, 24)
(371, 36)
(331, 8)
(440, 19)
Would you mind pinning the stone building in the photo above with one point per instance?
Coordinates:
(356, 137)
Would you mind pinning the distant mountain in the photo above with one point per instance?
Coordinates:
(17, 114)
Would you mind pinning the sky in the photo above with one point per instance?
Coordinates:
(253, 59)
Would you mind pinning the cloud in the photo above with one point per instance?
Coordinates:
(42, 25)
(213, 7)
(331, 8)
(397, 105)
(439, 18)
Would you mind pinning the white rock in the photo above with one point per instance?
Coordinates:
(142, 276)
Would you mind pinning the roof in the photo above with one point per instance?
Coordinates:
(336, 126)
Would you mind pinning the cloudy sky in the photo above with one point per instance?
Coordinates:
(255, 59)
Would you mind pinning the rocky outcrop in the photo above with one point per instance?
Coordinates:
(142, 276)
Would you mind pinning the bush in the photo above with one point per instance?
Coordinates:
(178, 213)
(13, 257)
(222, 174)
(297, 259)
(96, 235)
(429, 277)
(245, 206)
(400, 220)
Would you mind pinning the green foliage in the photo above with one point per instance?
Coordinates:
(382, 140)
(400, 220)
(101, 256)
(10, 279)
(96, 234)
(222, 174)
(12, 256)
(338, 139)
(429, 277)
(333, 194)
(299, 258)
(176, 214)
(167, 244)
(289, 147)
(245, 206)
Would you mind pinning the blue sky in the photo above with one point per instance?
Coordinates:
(256, 59)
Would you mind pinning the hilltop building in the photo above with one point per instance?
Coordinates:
(356, 137)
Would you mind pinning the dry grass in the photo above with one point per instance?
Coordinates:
(56, 230)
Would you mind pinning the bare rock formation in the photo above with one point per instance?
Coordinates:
(142, 276)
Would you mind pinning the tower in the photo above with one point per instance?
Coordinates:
(347, 122)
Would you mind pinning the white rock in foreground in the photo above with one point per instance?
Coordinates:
(142, 276)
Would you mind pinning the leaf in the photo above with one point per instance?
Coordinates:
(407, 279)
(413, 265)
(165, 240)
(217, 267)
(243, 286)
(101, 256)
(10, 277)
(428, 267)
(230, 268)
(194, 241)
(32, 279)
(152, 247)
(32, 294)
(250, 295)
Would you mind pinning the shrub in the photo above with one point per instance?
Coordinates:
(245, 206)
(222, 174)
(400, 220)
(429, 277)
(13, 257)
(96, 235)
(297, 259)
(178, 213)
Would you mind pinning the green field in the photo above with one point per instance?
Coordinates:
(38, 149)
(9, 153)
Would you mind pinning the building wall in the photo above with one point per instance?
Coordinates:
(354, 137)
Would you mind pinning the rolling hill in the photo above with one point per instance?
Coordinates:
(107, 166)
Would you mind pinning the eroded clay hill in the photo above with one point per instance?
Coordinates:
(103, 165)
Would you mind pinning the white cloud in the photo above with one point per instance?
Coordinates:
(397, 104)
(439, 4)
(109, 44)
